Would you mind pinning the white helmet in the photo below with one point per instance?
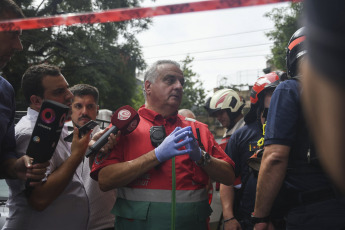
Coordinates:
(225, 99)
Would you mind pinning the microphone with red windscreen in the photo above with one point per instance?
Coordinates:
(125, 119)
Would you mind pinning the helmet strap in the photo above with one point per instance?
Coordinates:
(233, 117)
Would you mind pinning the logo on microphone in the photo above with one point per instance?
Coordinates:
(132, 125)
(48, 115)
(36, 139)
(123, 115)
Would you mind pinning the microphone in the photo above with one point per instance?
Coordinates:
(125, 119)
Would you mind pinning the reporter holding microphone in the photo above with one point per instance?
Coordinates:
(84, 109)
(54, 203)
(159, 170)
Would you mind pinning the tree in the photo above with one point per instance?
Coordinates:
(103, 55)
(285, 24)
(138, 99)
(193, 91)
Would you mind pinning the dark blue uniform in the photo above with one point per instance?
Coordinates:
(315, 205)
(241, 146)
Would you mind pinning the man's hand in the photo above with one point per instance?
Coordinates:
(79, 145)
(171, 145)
(195, 151)
(232, 225)
(24, 170)
(111, 140)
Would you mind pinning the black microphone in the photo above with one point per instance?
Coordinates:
(125, 119)
(46, 134)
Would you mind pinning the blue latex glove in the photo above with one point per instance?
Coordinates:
(170, 146)
(193, 146)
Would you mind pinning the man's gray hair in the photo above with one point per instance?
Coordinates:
(152, 73)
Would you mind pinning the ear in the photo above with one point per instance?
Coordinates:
(148, 87)
(36, 102)
(97, 109)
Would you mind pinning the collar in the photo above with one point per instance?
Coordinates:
(32, 114)
(238, 125)
(155, 117)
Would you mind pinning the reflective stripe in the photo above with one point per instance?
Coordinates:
(160, 195)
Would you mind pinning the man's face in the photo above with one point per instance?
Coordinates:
(9, 42)
(56, 89)
(167, 90)
(223, 117)
(84, 109)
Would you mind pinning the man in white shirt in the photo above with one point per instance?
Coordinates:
(85, 108)
(61, 201)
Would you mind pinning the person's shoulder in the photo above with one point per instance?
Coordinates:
(5, 85)
(189, 121)
(23, 128)
(23, 124)
(288, 84)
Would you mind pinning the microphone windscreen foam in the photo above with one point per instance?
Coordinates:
(125, 119)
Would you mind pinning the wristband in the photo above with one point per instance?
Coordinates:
(232, 218)
(204, 160)
(256, 220)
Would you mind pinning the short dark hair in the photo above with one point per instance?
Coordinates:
(32, 79)
(9, 6)
(85, 89)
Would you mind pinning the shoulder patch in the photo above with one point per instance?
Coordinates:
(253, 146)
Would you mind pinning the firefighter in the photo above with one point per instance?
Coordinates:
(226, 105)
(290, 161)
(238, 201)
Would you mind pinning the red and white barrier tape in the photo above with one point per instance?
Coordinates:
(124, 14)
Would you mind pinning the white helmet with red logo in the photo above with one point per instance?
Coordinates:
(225, 99)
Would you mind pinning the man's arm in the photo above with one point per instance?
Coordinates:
(120, 174)
(8, 169)
(107, 147)
(43, 195)
(23, 169)
(328, 133)
(227, 197)
(220, 171)
(271, 176)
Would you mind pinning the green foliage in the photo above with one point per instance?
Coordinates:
(193, 91)
(103, 55)
(138, 99)
(285, 24)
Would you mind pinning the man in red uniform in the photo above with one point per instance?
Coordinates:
(163, 187)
